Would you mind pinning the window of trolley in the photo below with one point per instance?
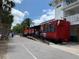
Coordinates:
(48, 27)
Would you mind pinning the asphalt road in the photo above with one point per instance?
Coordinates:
(24, 48)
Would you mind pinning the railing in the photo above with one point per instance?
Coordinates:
(70, 2)
(73, 18)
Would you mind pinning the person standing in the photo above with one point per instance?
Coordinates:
(12, 34)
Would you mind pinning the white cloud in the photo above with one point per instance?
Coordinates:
(18, 16)
(26, 12)
(44, 10)
(18, 1)
(48, 15)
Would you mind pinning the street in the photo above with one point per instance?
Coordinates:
(39, 29)
(24, 48)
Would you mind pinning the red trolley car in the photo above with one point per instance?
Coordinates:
(53, 30)
(58, 30)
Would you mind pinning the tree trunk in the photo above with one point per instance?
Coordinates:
(4, 31)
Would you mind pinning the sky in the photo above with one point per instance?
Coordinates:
(38, 10)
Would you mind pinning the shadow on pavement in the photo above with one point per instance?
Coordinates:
(3, 48)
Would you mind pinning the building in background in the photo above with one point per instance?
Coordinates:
(71, 12)
(68, 9)
(58, 6)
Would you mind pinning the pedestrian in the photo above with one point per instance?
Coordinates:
(12, 34)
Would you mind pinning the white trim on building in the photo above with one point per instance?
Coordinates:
(67, 9)
(71, 11)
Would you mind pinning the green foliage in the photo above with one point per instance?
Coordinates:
(20, 27)
(17, 28)
(11, 3)
(50, 4)
(26, 23)
(7, 19)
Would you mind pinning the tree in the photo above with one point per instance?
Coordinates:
(26, 23)
(6, 17)
(17, 28)
(9, 5)
(1, 7)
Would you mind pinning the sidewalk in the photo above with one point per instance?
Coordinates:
(72, 48)
(3, 48)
